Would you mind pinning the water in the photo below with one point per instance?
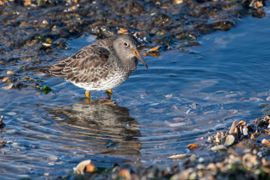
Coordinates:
(180, 99)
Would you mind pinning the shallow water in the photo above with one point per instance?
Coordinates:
(183, 97)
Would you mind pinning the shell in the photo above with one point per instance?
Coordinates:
(230, 139)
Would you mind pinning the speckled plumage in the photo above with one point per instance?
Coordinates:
(102, 65)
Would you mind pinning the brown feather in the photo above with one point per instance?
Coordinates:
(76, 68)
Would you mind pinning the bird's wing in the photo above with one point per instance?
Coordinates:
(85, 66)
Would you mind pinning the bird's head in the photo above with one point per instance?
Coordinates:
(125, 47)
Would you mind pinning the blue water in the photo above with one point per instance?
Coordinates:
(182, 98)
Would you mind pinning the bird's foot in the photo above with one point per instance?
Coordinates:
(109, 93)
(87, 96)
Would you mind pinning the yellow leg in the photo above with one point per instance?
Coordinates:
(87, 94)
(109, 93)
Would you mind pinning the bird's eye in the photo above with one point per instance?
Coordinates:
(126, 44)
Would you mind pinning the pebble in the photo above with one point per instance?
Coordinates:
(79, 169)
(218, 148)
(90, 168)
(5, 79)
(8, 87)
(11, 113)
(179, 156)
(201, 159)
(266, 143)
(124, 173)
(10, 73)
(178, 1)
(245, 131)
(52, 158)
(250, 160)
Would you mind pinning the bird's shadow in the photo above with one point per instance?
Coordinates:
(102, 121)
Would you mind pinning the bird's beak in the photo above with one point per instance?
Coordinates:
(137, 54)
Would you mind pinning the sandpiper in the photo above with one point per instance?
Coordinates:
(102, 65)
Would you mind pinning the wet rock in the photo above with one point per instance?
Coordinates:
(90, 168)
(230, 140)
(233, 129)
(8, 87)
(193, 157)
(177, 1)
(6, 80)
(224, 26)
(250, 161)
(259, 13)
(218, 148)
(241, 123)
(245, 131)
(2, 143)
(2, 124)
(256, 4)
(218, 138)
(81, 167)
(266, 143)
(124, 173)
(122, 31)
(2, 2)
(27, 2)
(10, 72)
(179, 156)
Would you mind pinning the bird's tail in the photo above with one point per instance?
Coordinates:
(40, 70)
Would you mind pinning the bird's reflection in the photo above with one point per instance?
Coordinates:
(108, 126)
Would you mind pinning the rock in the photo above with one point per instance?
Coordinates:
(245, 131)
(179, 156)
(256, 4)
(8, 87)
(218, 148)
(212, 167)
(266, 143)
(10, 73)
(124, 173)
(122, 31)
(2, 124)
(27, 2)
(5, 79)
(219, 137)
(80, 168)
(90, 168)
(250, 161)
(2, 143)
(241, 123)
(177, 1)
(233, 127)
(230, 139)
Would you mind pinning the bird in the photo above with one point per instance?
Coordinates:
(100, 66)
